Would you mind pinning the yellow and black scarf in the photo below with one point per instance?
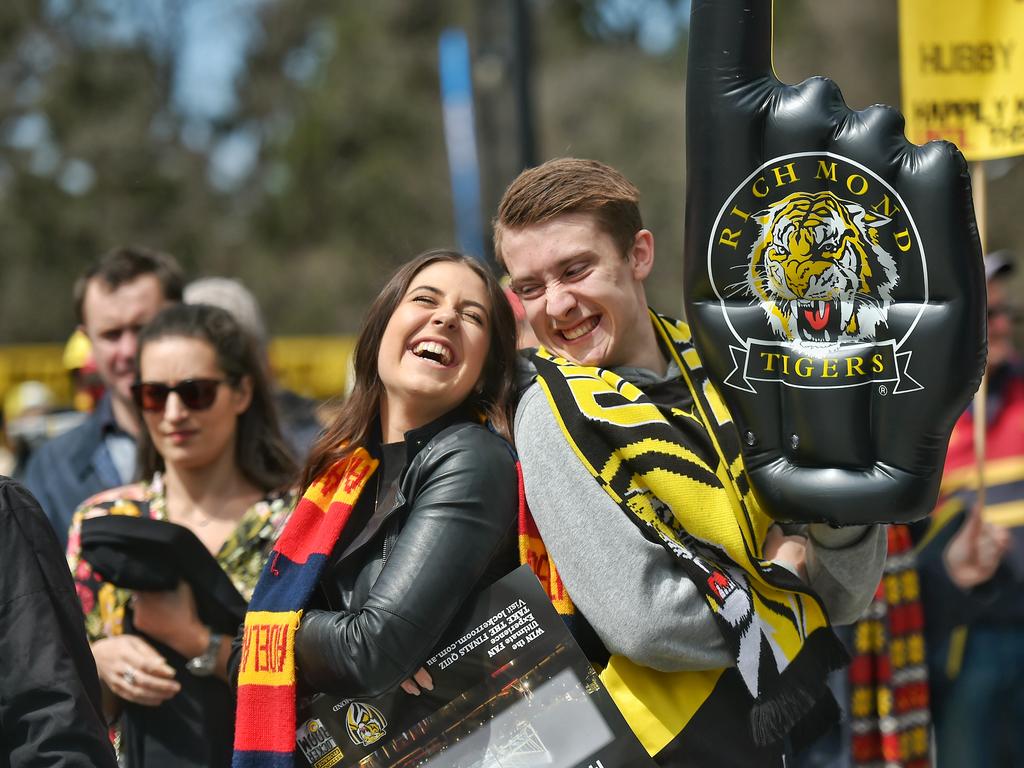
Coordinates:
(644, 456)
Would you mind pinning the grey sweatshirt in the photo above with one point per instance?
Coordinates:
(631, 590)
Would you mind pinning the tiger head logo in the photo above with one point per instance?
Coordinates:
(817, 270)
(365, 723)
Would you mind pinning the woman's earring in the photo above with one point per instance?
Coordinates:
(479, 387)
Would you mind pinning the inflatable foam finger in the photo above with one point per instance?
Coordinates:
(833, 280)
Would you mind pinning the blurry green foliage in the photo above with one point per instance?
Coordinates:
(329, 167)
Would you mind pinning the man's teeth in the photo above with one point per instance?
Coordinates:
(581, 329)
(433, 350)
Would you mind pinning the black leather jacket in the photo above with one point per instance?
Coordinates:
(450, 532)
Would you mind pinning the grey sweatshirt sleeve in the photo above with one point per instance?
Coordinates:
(632, 591)
(844, 567)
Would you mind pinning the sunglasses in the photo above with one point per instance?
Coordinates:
(195, 394)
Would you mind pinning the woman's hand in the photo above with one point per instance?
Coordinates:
(788, 551)
(420, 679)
(133, 670)
(171, 618)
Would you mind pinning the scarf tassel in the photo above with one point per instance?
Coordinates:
(800, 704)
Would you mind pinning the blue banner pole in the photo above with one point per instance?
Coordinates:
(460, 140)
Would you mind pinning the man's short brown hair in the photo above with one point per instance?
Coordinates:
(126, 263)
(571, 185)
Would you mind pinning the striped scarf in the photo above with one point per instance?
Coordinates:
(642, 455)
(888, 676)
(265, 719)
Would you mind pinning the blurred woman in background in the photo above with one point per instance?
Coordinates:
(214, 462)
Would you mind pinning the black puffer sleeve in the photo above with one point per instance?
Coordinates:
(463, 506)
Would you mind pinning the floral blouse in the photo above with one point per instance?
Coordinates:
(242, 555)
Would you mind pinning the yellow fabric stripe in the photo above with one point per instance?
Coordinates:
(997, 472)
(268, 648)
(665, 330)
(722, 415)
(585, 390)
(657, 705)
(788, 633)
(957, 645)
(940, 519)
(657, 445)
(344, 481)
(661, 328)
(572, 443)
(714, 521)
(1008, 515)
(692, 359)
(752, 524)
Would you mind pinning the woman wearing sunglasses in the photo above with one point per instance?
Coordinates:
(410, 507)
(214, 462)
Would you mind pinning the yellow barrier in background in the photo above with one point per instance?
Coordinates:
(314, 366)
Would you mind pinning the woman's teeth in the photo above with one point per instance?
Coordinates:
(432, 350)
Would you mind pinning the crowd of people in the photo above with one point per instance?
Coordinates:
(603, 458)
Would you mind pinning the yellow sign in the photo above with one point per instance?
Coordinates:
(314, 366)
(962, 65)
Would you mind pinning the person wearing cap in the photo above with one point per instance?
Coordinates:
(86, 385)
(26, 406)
(113, 299)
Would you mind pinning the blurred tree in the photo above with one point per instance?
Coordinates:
(352, 178)
(299, 146)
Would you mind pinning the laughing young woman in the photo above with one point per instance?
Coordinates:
(410, 506)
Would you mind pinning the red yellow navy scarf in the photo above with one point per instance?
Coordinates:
(265, 719)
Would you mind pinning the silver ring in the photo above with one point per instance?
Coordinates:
(129, 676)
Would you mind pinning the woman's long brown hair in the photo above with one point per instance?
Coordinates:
(357, 416)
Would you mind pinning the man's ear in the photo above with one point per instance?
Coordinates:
(642, 254)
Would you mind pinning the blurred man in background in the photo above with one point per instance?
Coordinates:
(113, 300)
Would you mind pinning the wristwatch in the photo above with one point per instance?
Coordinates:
(204, 664)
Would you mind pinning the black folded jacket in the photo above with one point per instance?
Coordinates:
(154, 555)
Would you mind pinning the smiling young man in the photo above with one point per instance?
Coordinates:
(645, 528)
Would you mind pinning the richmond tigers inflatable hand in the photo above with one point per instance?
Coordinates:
(833, 280)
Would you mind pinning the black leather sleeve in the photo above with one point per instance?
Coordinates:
(464, 505)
